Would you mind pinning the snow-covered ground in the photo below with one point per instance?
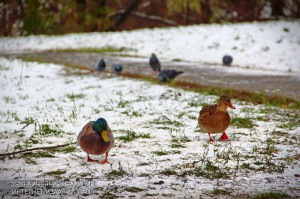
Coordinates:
(160, 152)
(271, 45)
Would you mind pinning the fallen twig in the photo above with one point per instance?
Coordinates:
(34, 149)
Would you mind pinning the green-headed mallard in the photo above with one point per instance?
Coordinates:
(215, 118)
(96, 138)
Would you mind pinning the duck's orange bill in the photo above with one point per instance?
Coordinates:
(231, 106)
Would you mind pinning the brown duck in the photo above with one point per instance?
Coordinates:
(215, 118)
(96, 138)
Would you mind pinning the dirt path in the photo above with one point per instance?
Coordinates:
(287, 84)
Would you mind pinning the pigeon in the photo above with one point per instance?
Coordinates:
(100, 65)
(117, 68)
(154, 63)
(227, 60)
(167, 75)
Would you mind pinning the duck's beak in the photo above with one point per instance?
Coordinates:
(105, 136)
(231, 106)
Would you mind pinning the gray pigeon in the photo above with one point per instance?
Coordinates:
(154, 63)
(117, 68)
(100, 65)
(167, 75)
(227, 60)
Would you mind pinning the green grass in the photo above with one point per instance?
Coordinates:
(280, 133)
(271, 195)
(286, 29)
(75, 96)
(2, 68)
(116, 173)
(295, 105)
(34, 59)
(160, 153)
(68, 149)
(84, 174)
(195, 103)
(23, 97)
(46, 129)
(133, 189)
(291, 121)
(9, 100)
(241, 95)
(212, 171)
(177, 145)
(240, 122)
(220, 192)
(15, 117)
(41, 155)
(57, 172)
(264, 155)
(132, 113)
(168, 172)
(50, 100)
(177, 60)
(269, 147)
(144, 164)
(245, 166)
(122, 103)
(108, 108)
(28, 121)
(206, 170)
(177, 139)
(131, 135)
(18, 146)
(96, 111)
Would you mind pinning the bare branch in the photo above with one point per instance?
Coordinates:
(34, 149)
(150, 17)
(122, 18)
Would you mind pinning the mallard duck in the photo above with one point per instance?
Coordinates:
(96, 138)
(154, 63)
(215, 118)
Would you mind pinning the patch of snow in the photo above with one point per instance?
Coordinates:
(273, 45)
(51, 95)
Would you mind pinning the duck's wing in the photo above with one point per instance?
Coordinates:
(208, 110)
(87, 129)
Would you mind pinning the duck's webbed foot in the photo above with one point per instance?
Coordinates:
(224, 137)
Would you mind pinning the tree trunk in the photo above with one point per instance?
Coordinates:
(122, 17)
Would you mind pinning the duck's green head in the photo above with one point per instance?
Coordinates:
(101, 126)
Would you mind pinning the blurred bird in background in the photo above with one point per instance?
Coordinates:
(167, 75)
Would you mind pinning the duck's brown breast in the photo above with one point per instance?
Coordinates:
(215, 123)
(92, 144)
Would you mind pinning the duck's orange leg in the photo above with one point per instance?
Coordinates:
(105, 161)
(210, 139)
(224, 136)
(89, 159)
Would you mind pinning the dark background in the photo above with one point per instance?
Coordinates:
(26, 17)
